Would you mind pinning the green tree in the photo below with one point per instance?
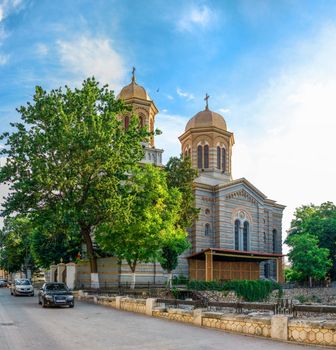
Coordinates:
(15, 238)
(70, 156)
(180, 175)
(309, 261)
(170, 251)
(50, 243)
(319, 221)
(150, 213)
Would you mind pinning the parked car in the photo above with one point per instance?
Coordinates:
(21, 286)
(55, 294)
(3, 283)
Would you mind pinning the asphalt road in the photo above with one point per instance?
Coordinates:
(25, 325)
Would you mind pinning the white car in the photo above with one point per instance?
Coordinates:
(22, 286)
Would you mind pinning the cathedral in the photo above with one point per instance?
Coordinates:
(238, 234)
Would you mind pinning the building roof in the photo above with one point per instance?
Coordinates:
(235, 255)
(133, 90)
(206, 118)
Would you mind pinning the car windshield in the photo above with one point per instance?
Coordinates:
(22, 282)
(56, 286)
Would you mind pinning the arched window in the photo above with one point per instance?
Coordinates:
(207, 230)
(274, 240)
(199, 157)
(245, 235)
(185, 154)
(223, 160)
(141, 120)
(206, 156)
(189, 152)
(126, 122)
(236, 231)
(218, 157)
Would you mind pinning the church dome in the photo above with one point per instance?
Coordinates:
(133, 90)
(206, 118)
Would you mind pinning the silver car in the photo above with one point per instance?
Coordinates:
(22, 286)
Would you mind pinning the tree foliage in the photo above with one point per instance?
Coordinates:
(150, 213)
(68, 158)
(309, 261)
(319, 221)
(180, 175)
(15, 239)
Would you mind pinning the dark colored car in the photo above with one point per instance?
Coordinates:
(3, 283)
(55, 294)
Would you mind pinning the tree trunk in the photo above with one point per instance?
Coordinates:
(133, 280)
(132, 267)
(310, 282)
(85, 231)
(170, 279)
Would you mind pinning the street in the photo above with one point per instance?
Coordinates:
(26, 325)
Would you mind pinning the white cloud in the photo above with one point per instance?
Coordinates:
(87, 56)
(224, 110)
(289, 153)
(187, 95)
(196, 17)
(42, 49)
(9, 6)
(3, 59)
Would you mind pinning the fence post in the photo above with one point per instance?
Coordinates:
(150, 304)
(118, 302)
(279, 327)
(197, 321)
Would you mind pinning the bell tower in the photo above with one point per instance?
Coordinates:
(209, 145)
(142, 105)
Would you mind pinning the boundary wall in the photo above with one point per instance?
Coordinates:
(278, 327)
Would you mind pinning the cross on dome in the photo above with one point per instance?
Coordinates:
(133, 74)
(206, 98)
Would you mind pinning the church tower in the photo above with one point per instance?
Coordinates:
(142, 105)
(209, 145)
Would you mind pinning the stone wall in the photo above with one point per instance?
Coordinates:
(323, 295)
(312, 332)
(238, 323)
(277, 327)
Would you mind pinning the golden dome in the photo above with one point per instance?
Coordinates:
(206, 118)
(133, 90)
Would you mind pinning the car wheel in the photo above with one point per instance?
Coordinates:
(32, 294)
(71, 306)
(39, 301)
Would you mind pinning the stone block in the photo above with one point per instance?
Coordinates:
(197, 317)
(279, 327)
(150, 305)
(118, 302)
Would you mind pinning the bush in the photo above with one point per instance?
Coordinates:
(180, 280)
(258, 290)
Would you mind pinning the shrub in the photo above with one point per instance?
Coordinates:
(258, 290)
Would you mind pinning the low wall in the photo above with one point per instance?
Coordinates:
(277, 327)
(312, 332)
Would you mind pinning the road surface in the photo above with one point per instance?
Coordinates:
(25, 325)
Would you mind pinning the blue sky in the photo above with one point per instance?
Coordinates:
(269, 67)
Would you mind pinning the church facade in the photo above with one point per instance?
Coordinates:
(238, 234)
